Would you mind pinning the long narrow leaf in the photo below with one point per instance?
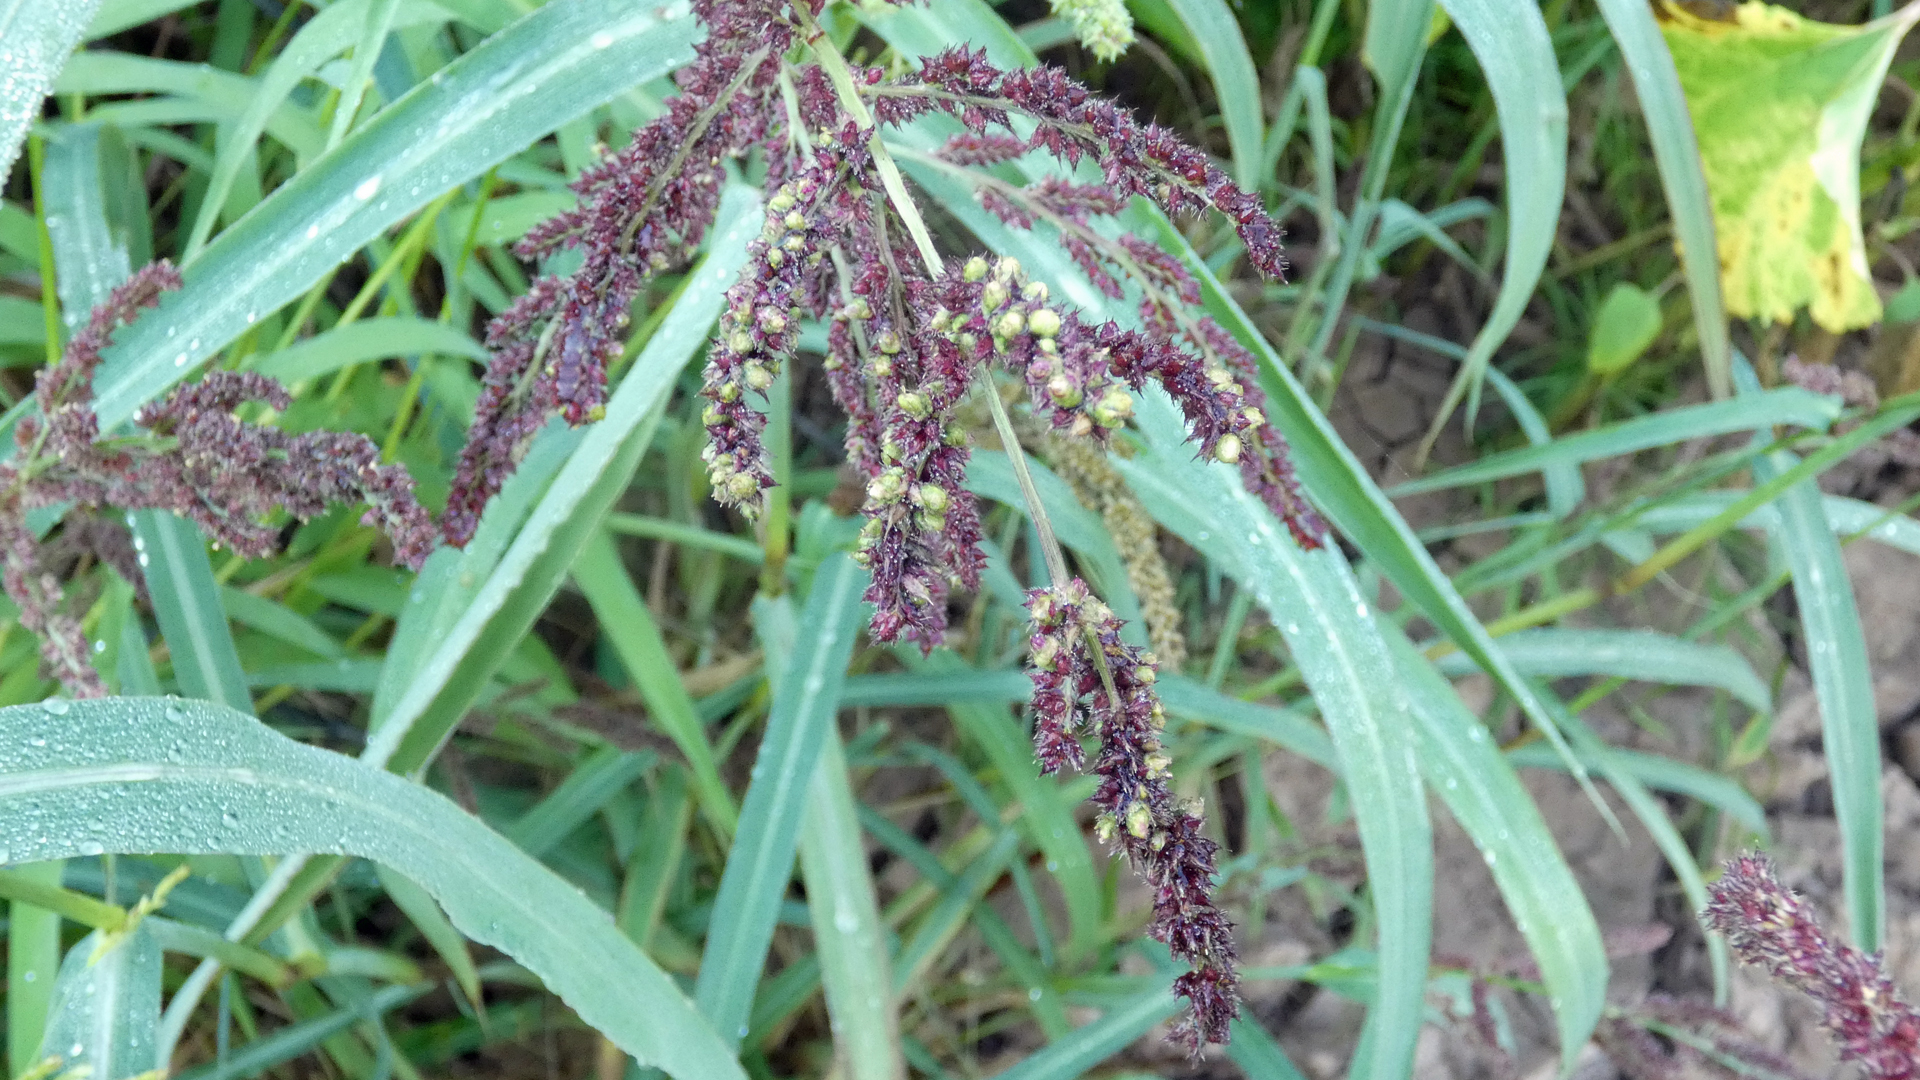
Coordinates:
(552, 66)
(39, 37)
(1487, 799)
(848, 933)
(806, 698)
(1509, 38)
(145, 775)
(1676, 153)
(1236, 86)
(462, 627)
(1329, 628)
(106, 1007)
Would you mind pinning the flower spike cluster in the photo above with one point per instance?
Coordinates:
(196, 459)
(1087, 682)
(1770, 927)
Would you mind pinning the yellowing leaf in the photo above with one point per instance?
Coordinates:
(1780, 105)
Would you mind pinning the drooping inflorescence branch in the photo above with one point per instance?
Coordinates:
(1770, 927)
(911, 334)
(195, 459)
(1086, 681)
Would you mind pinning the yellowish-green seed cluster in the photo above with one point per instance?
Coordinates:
(1103, 26)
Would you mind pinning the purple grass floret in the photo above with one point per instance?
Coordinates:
(1770, 927)
(195, 459)
(1087, 682)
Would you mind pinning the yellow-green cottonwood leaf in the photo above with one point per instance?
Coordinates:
(1780, 104)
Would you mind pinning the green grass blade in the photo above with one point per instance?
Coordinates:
(1236, 85)
(1629, 654)
(33, 959)
(1258, 1055)
(186, 603)
(88, 261)
(376, 24)
(635, 636)
(1665, 774)
(331, 31)
(1653, 817)
(39, 36)
(420, 909)
(1656, 87)
(106, 1009)
(114, 16)
(599, 778)
(806, 696)
(1048, 813)
(298, 1038)
(145, 775)
(1072, 1055)
(466, 639)
(1509, 38)
(1786, 405)
(848, 933)
(361, 341)
(547, 69)
(1843, 686)
(1566, 488)
(1314, 601)
(278, 621)
(1485, 795)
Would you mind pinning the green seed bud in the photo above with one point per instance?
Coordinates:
(931, 497)
(1036, 292)
(860, 309)
(1113, 409)
(1105, 828)
(742, 486)
(1007, 268)
(914, 404)
(758, 377)
(882, 365)
(975, 269)
(711, 416)
(1145, 674)
(739, 341)
(794, 244)
(1064, 392)
(1228, 448)
(1158, 764)
(775, 259)
(782, 201)
(1044, 322)
(888, 342)
(771, 320)
(1139, 820)
(888, 487)
(1009, 325)
(994, 297)
(1047, 656)
(794, 221)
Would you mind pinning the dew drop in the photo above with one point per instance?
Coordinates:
(313, 231)
(180, 361)
(92, 847)
(846, 922)
(56, 706)
(29, 976)
(1033, 994)
(601, 40)
(368, 188)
